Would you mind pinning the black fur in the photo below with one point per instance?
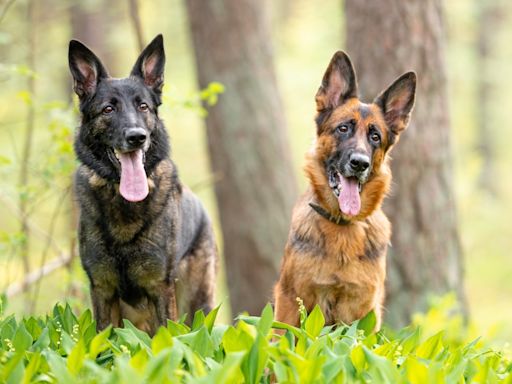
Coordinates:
(135, 253)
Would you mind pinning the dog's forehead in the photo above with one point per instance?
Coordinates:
(355, 109)
(122, 88)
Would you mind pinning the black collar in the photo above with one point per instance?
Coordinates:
(326, 215)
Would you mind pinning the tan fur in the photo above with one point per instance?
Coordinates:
(342, 268)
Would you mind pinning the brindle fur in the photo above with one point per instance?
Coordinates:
(137, 255)
(342, 268)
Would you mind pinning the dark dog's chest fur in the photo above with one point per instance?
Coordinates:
(128, 245)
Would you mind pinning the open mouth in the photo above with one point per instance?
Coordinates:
(133, 184)
(347, 190)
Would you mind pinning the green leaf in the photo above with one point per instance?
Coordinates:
(368, 323)
(209, 321)
(76, 358)
(99, 342)
(58, 367)
(32, 368)
(266, 320)
(198, 320)
(431, 347)
(22, 339)
(162, 340)
(315, 322)
(235, 340)
(199, 341)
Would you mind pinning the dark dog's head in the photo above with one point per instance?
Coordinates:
(121, 136)
(353, 137)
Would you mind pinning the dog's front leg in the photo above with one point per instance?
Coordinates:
(105, 307)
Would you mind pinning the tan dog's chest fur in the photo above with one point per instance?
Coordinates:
(336, 267)
(336, 258)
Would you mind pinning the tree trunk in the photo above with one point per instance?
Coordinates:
(247, 144)
(386, 38)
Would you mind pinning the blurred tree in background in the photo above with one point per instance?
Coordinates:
(247, 141)
(386, 39)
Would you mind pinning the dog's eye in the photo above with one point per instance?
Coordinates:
(143, 107)
(108, 110)
(343, 128)
(374, 135)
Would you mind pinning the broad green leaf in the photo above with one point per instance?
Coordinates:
(368, 323)
(199, 341)
(358, 359)
(162, 340)
(99, 343)
(431, 347)
(315, 322)
(32, 368)
(209, 321)
(265, 323)
(381, 369)
(198, 320)
(58, 367)
(139, 361)
(12, 370)
(416, 371)
(22, 339)
(76, 358)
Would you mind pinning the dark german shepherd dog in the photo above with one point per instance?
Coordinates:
(146, 242)
(336, 251)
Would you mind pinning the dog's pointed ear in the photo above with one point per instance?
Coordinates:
(85, 68)
(150, 64)
(397, 101)
(338, 84)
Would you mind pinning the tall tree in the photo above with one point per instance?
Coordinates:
(384, 39)
(247, 143)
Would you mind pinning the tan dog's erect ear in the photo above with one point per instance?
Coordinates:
(338, 84)
(397, 101)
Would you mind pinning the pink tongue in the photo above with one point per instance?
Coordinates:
(134, 183)
(349, 200)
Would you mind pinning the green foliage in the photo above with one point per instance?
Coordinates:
(62, 347)
(197, 101)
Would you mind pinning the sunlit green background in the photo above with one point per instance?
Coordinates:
(305, 33)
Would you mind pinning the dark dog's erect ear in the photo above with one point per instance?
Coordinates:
(150, 64)
(338, 84)
(397, 101)
(85, 68)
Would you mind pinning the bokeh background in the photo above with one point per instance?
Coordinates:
(37, 230)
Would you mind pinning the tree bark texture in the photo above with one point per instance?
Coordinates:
(385, 39)
(247, 144)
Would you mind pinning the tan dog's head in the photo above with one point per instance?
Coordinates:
(348, 167)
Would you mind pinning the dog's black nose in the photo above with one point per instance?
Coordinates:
(135, 136)
(359, 162)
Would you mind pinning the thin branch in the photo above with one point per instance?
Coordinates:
(33, 227)
(5, 9)
(34, 276)
(206, 182)
(44, 255)
(137, 25)
(27, 145)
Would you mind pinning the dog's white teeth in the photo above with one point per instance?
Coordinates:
(360, 187)
(116, 154)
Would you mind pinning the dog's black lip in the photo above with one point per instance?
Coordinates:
(113, 157)
(333, 175)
